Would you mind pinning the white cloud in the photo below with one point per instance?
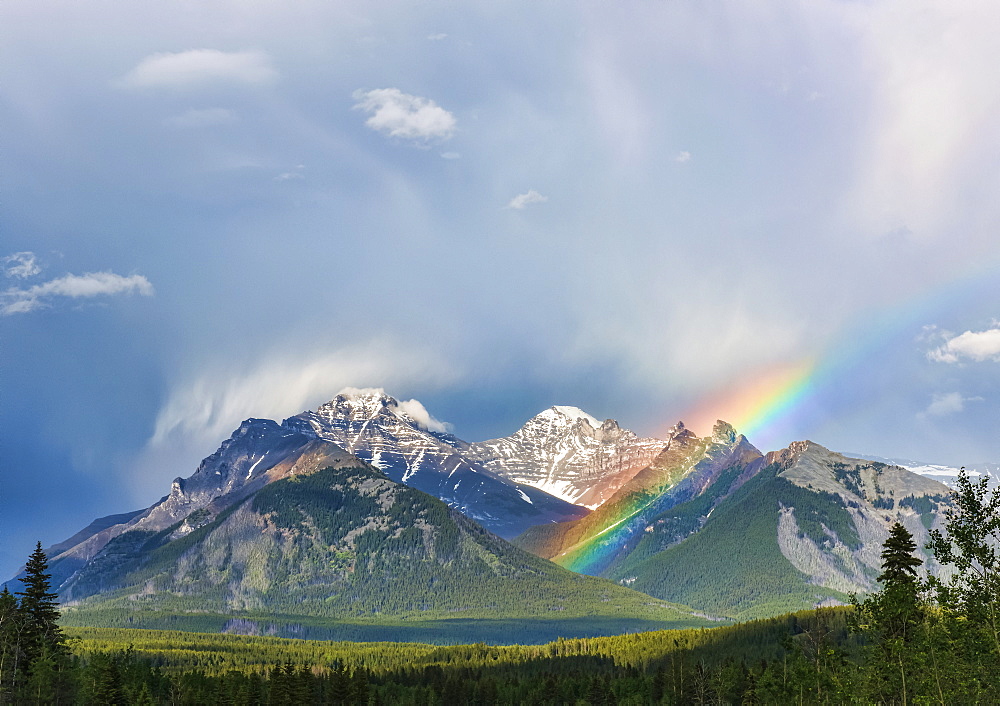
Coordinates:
(975, 345)
(415, 410)
(399, 114)
(20, 265)
(196, 118)
(683, 157)
(203, 411)
(437, 37)
(450, 155)
(948, 403)
(91, 284)
(200, 66)
(529, 197)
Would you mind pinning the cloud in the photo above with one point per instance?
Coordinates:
(20, 265)
(399, 114)
(206, 409)
(450, 155)
(948, 403)
(91, 284)
(207, 117)
(529, 197)
(416, 411)
(977, 346)
(682, 157)
(200, 66)
(437, 37)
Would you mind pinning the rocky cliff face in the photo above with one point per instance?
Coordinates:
(567, 453)
(874, 495)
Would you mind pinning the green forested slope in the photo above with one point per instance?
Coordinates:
(733, 564)
(350, 547)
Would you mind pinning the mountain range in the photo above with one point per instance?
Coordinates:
(366, 511)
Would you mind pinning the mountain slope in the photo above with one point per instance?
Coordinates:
(341, 543)
(399, 439)
(567, 453)
(713, 524)
(257, 453)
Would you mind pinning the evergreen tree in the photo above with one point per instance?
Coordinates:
(11, 645)
(39, 610)
(890, 620)
(900, 599)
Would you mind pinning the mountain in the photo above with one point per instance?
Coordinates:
(568, 453)
(941, 472)
(717, 525)
(279, 526)
(410, 447)
(258, 452)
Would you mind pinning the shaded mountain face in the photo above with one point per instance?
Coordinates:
(569, 454)
(341, 542)
(718, 526)
(397, 438)
(259, 452)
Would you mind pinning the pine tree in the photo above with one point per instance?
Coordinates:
(11, 642)
(890, 621)
(900, 598)
(39, 610)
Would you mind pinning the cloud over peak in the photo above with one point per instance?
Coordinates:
(208, 407)
(402, 115)
(198, 67)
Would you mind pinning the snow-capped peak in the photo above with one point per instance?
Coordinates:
(563, 413)
(368, 402)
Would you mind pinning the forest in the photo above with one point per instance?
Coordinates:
(917, 639)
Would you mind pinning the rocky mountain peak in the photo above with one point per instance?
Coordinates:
(563, 414)
(680, 435)
(359, 403)
(369, 403)
(723, 433)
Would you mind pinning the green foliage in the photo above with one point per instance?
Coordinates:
(891, 619)
(970, 544)
(34, 659)
(38, 608)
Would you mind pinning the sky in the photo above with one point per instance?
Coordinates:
(782, 214)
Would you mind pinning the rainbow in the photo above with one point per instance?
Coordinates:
(773, 406)
(777, 404)
(593, 554)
